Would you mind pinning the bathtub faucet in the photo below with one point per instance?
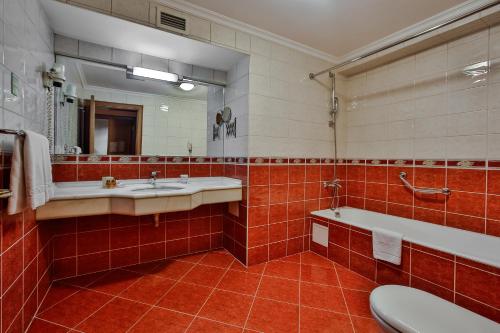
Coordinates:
(334, 184)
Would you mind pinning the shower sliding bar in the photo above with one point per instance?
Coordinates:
(424, 190)
(312, 76)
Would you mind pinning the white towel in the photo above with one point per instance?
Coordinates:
(387, 245)
(31, 173)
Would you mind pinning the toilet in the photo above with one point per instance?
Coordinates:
(404, 309)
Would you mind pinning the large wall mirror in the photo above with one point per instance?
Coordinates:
(148, 92)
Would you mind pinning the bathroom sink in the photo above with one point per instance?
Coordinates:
(158, 188)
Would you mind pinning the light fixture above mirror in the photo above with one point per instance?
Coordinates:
(154, 74)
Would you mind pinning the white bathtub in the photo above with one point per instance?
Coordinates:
(470, 245)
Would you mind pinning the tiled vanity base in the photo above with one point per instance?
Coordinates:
(97, 243)
(469, 284)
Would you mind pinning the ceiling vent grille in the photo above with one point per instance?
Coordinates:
(172, 20)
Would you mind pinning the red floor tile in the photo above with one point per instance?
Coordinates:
(173, 269)
(322, 297)
(220, 259)
(115, 282)
(292, 258)
(358, 302)
(146, 268)
(316, 321)
(319, 274)
(272, 316)
(83, 280)
(56, 294)
(351, 280)
(185, 297)
(148, 289)
(240, 282)
(227, 307)
(75, 308)
(325, 307)
(283, 269)
(162, 321)
(192, 258)
(116, 316)
(310, 258)
(365, 325)
(279, 289)
(256, 269)
(201, 325)
(42, 326)
(204, 275)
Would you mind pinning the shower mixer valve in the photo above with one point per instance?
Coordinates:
(334, 184)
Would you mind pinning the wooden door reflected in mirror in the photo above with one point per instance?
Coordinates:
(111, 128)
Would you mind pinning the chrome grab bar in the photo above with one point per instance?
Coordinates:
(425, 190)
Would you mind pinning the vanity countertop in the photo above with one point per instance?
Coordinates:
(142, 189)
(139, 197)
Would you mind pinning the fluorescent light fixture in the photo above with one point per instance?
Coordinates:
(186, 86)
(153, 74)
(164, 107)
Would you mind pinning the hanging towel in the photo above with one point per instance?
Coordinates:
(17, 201)
(387, 245)
(31, 173)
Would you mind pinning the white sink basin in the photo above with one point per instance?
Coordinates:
(158, 188)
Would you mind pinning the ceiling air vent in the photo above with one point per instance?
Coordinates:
(172, 20)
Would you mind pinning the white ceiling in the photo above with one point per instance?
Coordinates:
(337, 27)
(105, 30)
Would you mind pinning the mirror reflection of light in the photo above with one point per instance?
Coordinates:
(164, 107)
(9, 97)
(477, 69)
(186, 86)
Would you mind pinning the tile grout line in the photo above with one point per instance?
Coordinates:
(254, 297)
(210, 295)
(161, 297)
(343, 296)
(300, 283)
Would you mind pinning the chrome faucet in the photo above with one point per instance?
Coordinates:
(154, 176)
(335, 184)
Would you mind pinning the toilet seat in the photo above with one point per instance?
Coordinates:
(404, 309)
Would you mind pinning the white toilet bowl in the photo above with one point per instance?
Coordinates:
(403, 309)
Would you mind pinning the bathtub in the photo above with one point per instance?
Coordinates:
(469, 245)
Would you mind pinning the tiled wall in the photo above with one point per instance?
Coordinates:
(92, 167)
(96, 243)
(288, 112)
(281, 194)
(474, 202)
(442, 103)
(236, 97)
(236, 225)
(25, 49)
(469, 284)
(26, 257)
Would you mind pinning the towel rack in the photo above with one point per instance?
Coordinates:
(6, 193)
(15, 132)
(425, 190)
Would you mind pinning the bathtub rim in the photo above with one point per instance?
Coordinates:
(328, 214)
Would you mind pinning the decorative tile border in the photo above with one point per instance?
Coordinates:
(260, 160)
